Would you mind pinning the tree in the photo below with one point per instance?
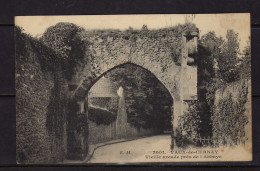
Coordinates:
(148, 102)
(60, 36)
(245, 66)
(218, 65)
(209, 49)
(65, 39)
(228, 59)
(219, 69)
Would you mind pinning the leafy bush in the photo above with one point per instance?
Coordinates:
(190, 121)
(218, 67)
(189, 126)
(101, 116)
(245, 66)
(25, 45)
(182, 141)
(60, 37)
(228, 119)
(65, 39)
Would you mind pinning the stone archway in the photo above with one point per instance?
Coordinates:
(152, 54)
(122, 86)
(79, 136)
(79, 59)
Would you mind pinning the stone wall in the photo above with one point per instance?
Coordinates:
(37, 140)
(163, 52)
(153, 53)
(51, 108)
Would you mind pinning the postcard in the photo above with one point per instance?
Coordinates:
(133, 88)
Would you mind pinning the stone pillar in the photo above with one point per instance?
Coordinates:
(177, 110)
(173, 126)
(178, 103)
(189, 44)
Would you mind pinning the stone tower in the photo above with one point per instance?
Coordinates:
(102, 93)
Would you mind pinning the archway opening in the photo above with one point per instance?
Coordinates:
(128, 101)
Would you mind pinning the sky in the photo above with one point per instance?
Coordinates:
(220, 23)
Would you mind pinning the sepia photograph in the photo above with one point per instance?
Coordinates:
(132, 89)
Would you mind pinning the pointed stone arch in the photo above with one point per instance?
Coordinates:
(158, 62)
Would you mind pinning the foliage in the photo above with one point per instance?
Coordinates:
(55, 119)
(25, 44)
(188, 126)
(69, 42)
(148, 102)
(100, 116)
(20, 39)
(245, 66)
(208, 49)
(228, 58)
(218, 67)
(190, 121)
(181, 140)
(40, 124)
(60, 37)
(65, 39)
(223, 55)
(228, 118)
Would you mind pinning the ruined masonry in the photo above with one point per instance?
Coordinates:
(52, 110)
